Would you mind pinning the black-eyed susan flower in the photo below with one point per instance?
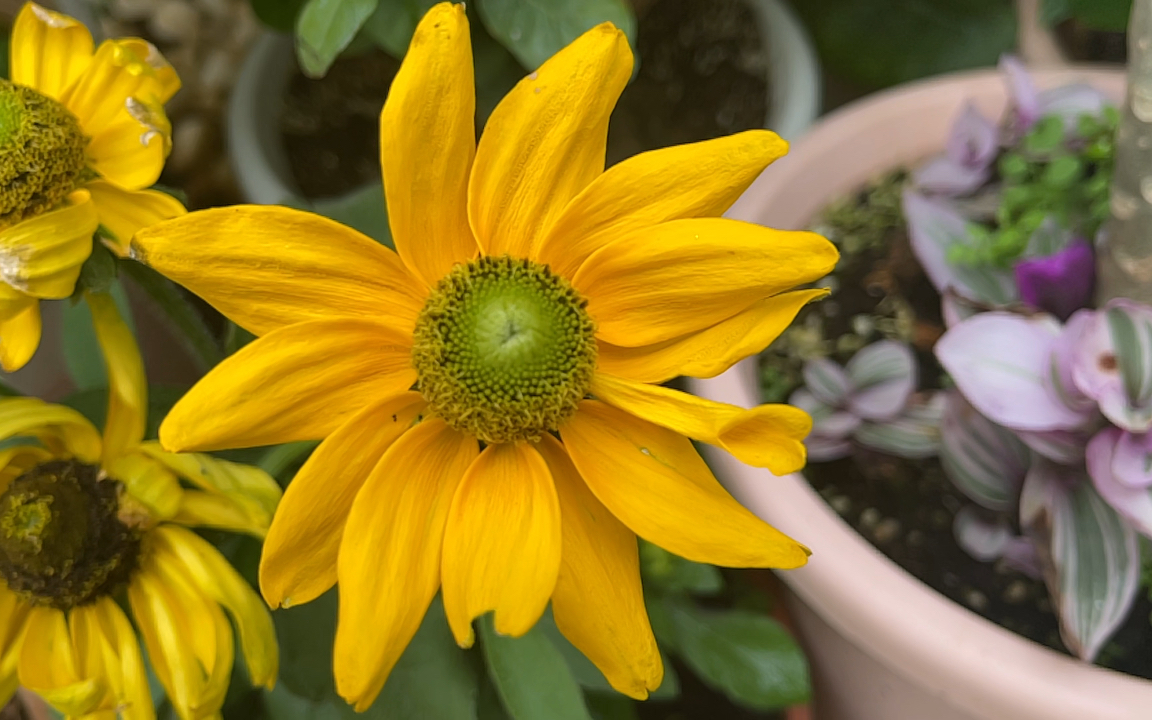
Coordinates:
(82, 134)
(89, 523)
(490, 394)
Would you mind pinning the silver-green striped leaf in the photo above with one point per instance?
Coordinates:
(985, 461)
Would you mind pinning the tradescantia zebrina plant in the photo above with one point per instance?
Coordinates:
(495, 427)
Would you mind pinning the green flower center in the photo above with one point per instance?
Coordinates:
(61, 541)
(41, 153)
(504, 349)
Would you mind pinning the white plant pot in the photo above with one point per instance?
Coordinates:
(260, 161)
(883, 645)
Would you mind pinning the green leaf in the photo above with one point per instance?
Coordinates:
(433, 678)
(197, 337)
(535, 30)
(497, 71)
(392, 24)
(363, 210)
(1102, 14)
(82, 355)
(1053, 12)
(671, 573)
(531, 675)
(280, 458)
(98, 272)
(324, 28)
(751, 658)
(611, 707)
(280, 15)
(877, 43)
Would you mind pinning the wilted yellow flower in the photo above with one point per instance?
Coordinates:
(535, 304)
(85, 519)
(82, 133)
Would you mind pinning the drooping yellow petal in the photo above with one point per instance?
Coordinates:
(711, 351)
(59, 427)
(300, 382)
(427, 141)
(598, 603)
(545, 142)
(502, 543)
(208, 510)
(299, 559)
(48, 665)
(390, 564)
(20, 336)
(129, 150)
(252, 493)
(13, 612)
(654, 482)
(768, 436)
(148, 481)
(127, 386)
(133, 696)
(214, 577)
(682, 276)
(121, 73)
(123, 212)
(265, 267)
(47, 50)
(701, 179)
(17, 459)
(41, 256)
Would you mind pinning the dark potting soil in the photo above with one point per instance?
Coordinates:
(906, 508)
(702, 69)
(1084, 44)
(331, 125)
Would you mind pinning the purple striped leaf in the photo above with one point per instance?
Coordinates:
(985, 461)
(982, 539)
(1090, 556)
(883, 376)
(1118, 467)
(914, 435)
(1112, 363)
(830, 438)
(827, 381)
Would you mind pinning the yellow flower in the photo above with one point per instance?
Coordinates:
(84, 518)
(535, 302)
(82, 133)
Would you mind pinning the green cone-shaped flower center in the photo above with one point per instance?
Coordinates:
(504, 349)
(61, 541)
(41, 153)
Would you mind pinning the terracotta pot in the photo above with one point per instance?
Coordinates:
(882, 645)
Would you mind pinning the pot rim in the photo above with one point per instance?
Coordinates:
(955, 654)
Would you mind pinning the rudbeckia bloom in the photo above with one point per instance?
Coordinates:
(86, 520)
(489, 394)
(82, 133)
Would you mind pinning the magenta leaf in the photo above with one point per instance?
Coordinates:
(915, 434)
(883, 376)
(1104, 458)
(1112, 363)
(1061, 283)
(1090, 556)
(827, 381)
(999, 361)
(984, 460)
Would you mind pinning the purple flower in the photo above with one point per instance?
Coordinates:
(1061, 283)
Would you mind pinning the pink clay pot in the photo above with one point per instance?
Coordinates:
(882, 645)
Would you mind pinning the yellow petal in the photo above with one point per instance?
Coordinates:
(48, 50)
(711, 351)
(149, 482)
(42, 256)
(122, 72)
(685, 181)
(212, 574)
(48, 666)
(201, 509)
(265, 267)
(299, 560)
(598, 602)
(768, 436)
(427, 140)
(13, 612)
(682, 276)
(133, 696)
(502, 544)
(390, 567)
(60, 428)
(123, 212)
(250, 491)
(300, 382)
(130, 149)
(127, 386)
(545, 141)
(654, 482)
(20, 336)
